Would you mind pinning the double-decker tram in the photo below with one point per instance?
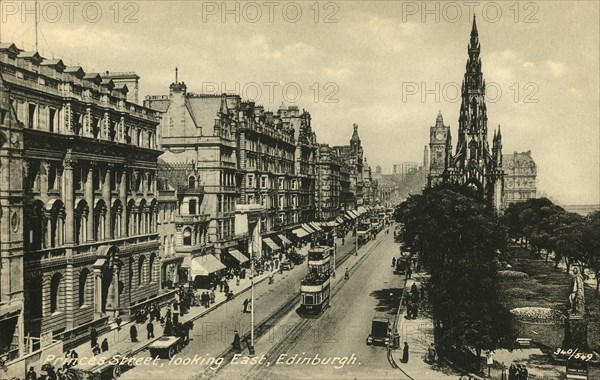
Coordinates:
(315, 287)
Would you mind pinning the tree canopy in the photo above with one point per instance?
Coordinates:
(458, 239)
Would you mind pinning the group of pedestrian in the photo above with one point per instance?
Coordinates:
(517, 372)
(412, 302)
(207, 299)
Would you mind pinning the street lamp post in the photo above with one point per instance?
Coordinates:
(356, 239)
(334, 251)
(251, 351)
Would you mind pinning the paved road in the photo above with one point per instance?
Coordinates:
(340, 332)
(213, 333)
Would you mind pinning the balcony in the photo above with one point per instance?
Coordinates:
(191, 219)
(185, 190)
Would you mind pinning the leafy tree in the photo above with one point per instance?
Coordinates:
(458, 238)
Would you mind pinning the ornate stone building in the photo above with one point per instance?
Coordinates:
(328, 184)
(474, 164)
(198, 132)
(520, 177)
(83, 169)
(352, 155)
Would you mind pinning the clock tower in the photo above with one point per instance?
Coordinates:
(439, 137)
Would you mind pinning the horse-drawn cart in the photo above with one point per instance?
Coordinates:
(166, 347)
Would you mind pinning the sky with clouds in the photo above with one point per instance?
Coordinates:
(387, 66)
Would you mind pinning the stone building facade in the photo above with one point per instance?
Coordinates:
(352, 155)
(328, 184)
(200, 130)
(87, 159)
(520, 178)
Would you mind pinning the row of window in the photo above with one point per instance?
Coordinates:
(145, 275)
(53, 119)
(46, 228)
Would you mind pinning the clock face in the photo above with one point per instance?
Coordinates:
(439, 136)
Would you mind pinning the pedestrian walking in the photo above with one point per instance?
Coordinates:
(168, 331)
(246, 302)
(133, 333)
(221, 286)
(31, 375)
(150, 330)
(405, 353)
(93, 337)
(408, 271)
(393, 261)
(212, 297)
(104, 345)
(237, 343)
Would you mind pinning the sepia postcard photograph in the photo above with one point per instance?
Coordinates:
(307, 189)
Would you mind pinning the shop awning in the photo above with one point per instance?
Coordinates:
(339, 220)
(284, 240)
(332, 224)
(361, 210)
(300, 232)
(205, 265)
(308, 228)
(356, 214)
(239, 256)
(350, 215)
(315, 226)
(271, 244)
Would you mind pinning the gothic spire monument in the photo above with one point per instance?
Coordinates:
(474, 164)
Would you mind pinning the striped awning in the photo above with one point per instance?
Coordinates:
(339, 219)
(239, 256)
(205, 265)
(356, 214)
(308, 228)
(284, 240)
(315, 226)
(350, 215)
(300, 232)
(271, 244)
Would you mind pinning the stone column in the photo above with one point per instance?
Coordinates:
(123, 198)
(97, 293)
(106, 196)
(116, 272)
(68, 189)
(89, 198)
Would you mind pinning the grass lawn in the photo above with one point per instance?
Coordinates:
(545, 287)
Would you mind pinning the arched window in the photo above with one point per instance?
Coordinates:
(140, 269)
(187, 236)
(99, 215)
(57, 224)
(192, 182)
(81, 218)
(151, 267)
(55, 292)
(36, 236)
(83, 275)
(130, 218)
(115, 220)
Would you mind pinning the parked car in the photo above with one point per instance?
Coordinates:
(287, 265)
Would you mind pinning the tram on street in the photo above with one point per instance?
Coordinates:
(315, 286)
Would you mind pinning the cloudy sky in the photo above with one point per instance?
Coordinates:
(387, 66)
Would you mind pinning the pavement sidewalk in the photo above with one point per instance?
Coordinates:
(418, 333)
(119, 341)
